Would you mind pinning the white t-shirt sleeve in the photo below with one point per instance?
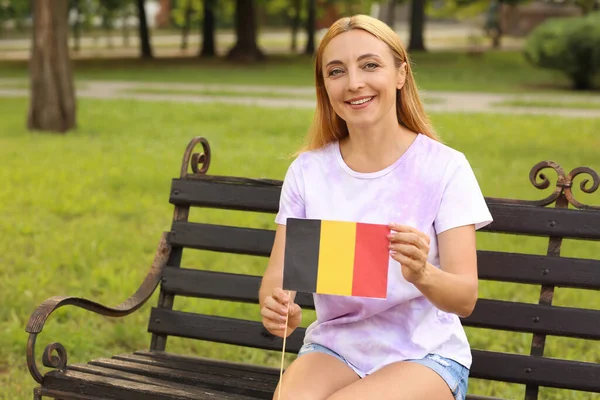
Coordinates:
(462, 201)
(291, 201)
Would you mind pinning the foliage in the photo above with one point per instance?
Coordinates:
(179, 10)
(570, 45)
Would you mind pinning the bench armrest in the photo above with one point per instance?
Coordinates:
(40, 315)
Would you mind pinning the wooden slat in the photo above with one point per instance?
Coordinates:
(521, 268)
(207, 362)
(509, 218)
(103, 387)
(230, 196)
(221, 330)
(541, 371)
(534, 269)
(542, 221)
(178, 375)
(504, 315)
(201, 365)
(124, 375)
(486, 365)
(217, 285)
(222, 238)
(535, 318)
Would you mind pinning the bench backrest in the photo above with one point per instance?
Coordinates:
(537, 319)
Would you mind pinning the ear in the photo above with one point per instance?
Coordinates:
(401, 76)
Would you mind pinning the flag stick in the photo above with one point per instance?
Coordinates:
(283, 350)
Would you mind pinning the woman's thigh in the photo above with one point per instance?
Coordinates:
(398, 381)
(314, 376)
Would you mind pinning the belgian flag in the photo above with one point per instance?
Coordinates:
(336, 257)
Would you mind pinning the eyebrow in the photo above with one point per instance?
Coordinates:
(368, 55)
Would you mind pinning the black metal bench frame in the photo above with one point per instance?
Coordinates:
(156, 375)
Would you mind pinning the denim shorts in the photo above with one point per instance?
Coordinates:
(456, 375)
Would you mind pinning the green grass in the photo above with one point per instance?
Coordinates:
(81, 214)
(220, 92)
(15, 85)
(502, 72)
(549, 104)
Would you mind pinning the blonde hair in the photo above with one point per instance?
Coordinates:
(327, 126)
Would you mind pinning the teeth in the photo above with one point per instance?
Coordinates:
(360, 101)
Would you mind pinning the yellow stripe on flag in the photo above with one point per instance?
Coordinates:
(336, 257)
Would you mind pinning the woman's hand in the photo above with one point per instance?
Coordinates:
(410, 247)
(274, 310)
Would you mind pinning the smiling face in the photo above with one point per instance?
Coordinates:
(361, 79)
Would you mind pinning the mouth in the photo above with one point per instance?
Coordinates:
(360, 101)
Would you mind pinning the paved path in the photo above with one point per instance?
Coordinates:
(300, 97)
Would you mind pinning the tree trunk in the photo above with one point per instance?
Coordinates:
(417, 26)
(208, 30)
(295, 24)
(145, 48)
(311, 27)
(125, 16)
(186, 25)
(246, 47)
(52, 99)
(391, 13)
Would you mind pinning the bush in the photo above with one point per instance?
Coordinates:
(571, 45)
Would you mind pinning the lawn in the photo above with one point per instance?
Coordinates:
(502, 72)
(81, 214)
(580, 105)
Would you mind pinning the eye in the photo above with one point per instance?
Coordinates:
(334, 72)
(371, 66)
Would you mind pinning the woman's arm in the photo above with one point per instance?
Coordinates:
(454, 286)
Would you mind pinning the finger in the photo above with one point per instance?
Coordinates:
(295, 310)
(272, 315)
(275, 306)
(409, 229)
(408, 251)
(405, 238)
(406, 262)
(281, 296)
(274, 326)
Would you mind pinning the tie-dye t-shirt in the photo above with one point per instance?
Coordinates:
(431, 187)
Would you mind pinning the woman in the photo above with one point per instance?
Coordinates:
(372, 156)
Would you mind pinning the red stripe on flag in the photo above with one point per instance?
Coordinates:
(371, 258)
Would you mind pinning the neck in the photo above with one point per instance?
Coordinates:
(373, 148)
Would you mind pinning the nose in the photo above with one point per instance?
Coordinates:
(355, 81)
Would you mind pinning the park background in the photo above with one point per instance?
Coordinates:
(84, 189)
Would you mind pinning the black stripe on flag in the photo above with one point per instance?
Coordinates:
(302, 241)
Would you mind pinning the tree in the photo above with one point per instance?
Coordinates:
(188, 11)
(390, 16)
(417, 26)
(246, 47)
(145, 47)
(295, 22)
(311, 27)
(52, 100)
(208, 29)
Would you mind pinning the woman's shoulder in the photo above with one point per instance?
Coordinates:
(440, 154)
(310, 157)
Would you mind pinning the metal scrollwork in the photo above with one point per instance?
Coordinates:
(584, 186)
(564, 185)
(194, 160)
(536, 172)
(48, 358)
(51, 361)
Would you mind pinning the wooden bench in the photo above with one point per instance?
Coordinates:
(155, 374)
